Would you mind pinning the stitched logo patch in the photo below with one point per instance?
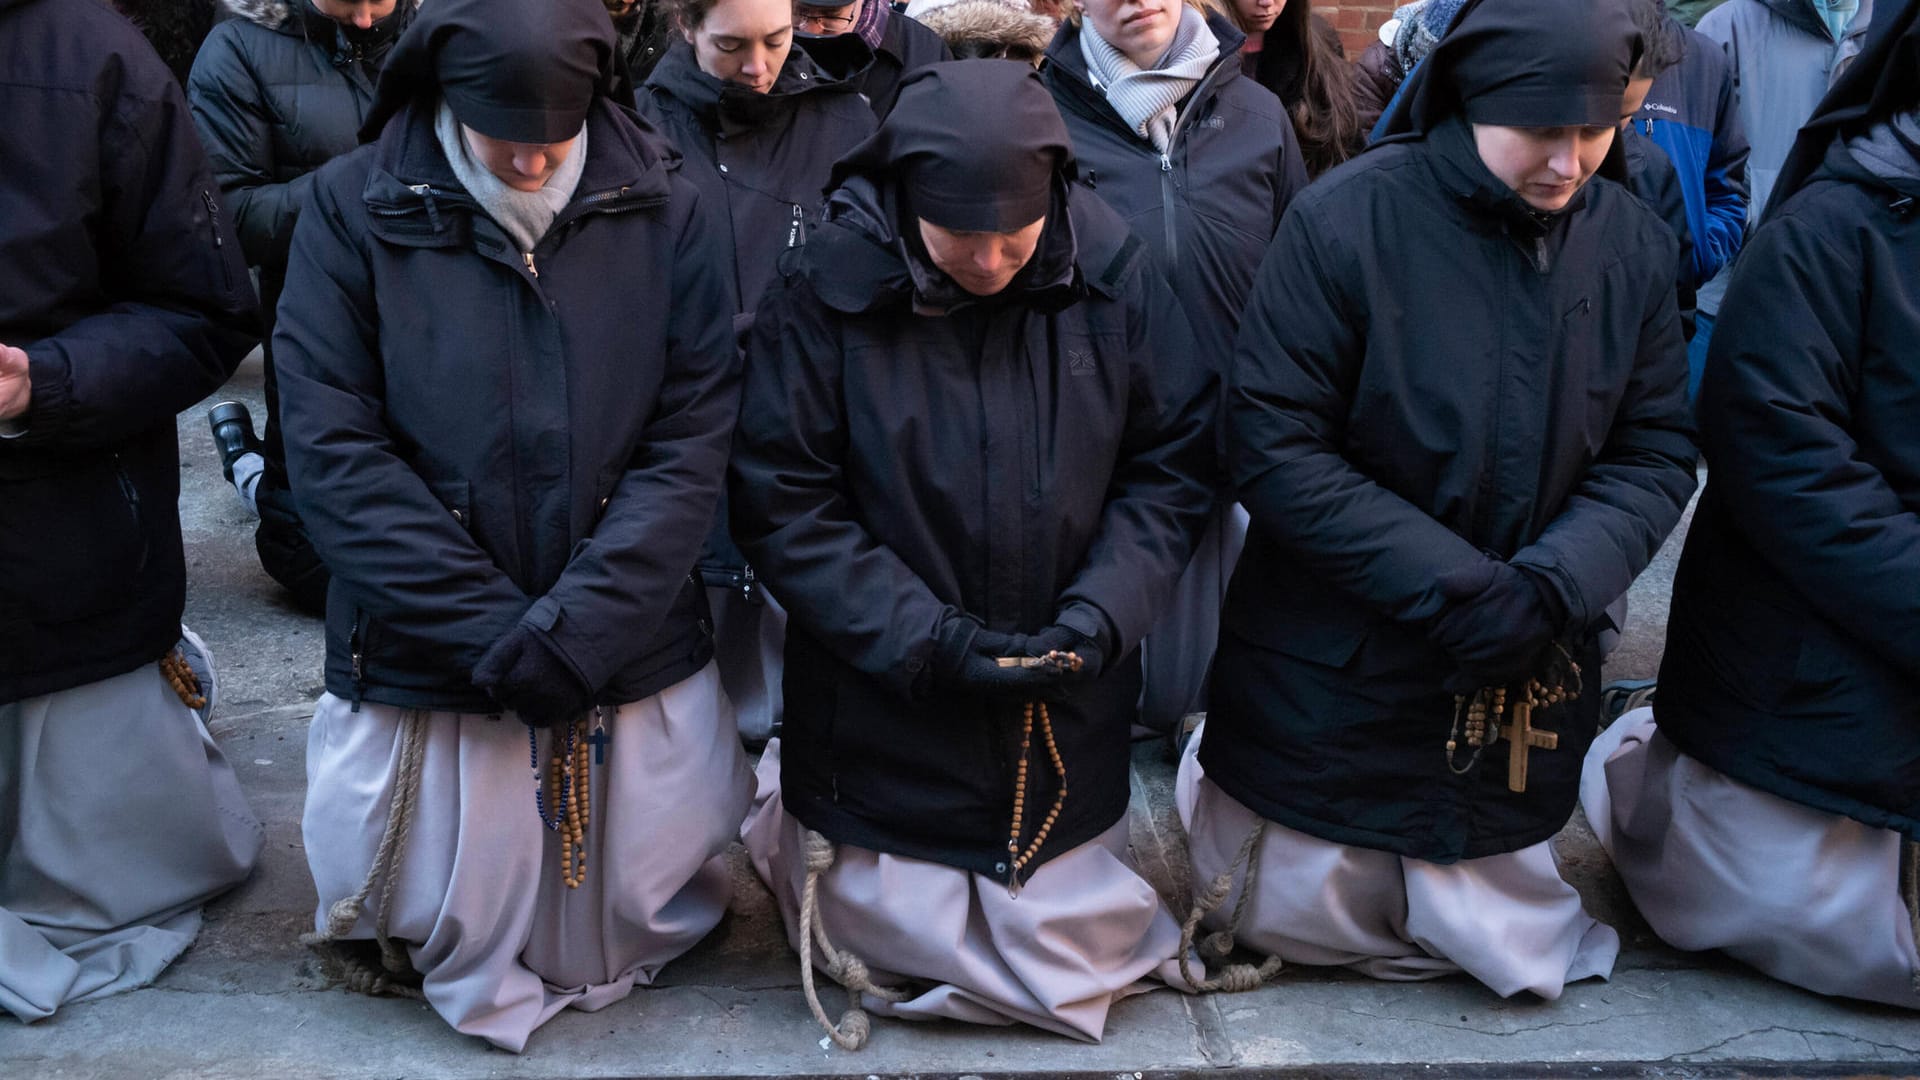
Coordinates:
(1079, 363)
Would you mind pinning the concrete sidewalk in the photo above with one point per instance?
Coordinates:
(247, 1001)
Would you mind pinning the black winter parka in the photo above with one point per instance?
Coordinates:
(1431, 375)
(1793, 651)
(278, 91)
(1211, 206)
(906, 45)
(121, 280)
(478, 437)
(1029, 459)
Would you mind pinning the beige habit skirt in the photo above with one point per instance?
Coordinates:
(502, 942)
(1083, 933)
(1508, 920)
(1808, 897)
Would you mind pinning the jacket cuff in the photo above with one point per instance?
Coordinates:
(51, 403)
(542, 618)
(1091, 623)
(1560, 595)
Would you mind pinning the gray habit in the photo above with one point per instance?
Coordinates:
(1808, 897)
(120, 817)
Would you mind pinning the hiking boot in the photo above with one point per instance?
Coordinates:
(233, 436)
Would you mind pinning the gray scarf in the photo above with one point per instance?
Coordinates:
(525, 215)
(1149, 99)
(1887, 149)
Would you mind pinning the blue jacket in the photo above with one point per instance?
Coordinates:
(1690, 113)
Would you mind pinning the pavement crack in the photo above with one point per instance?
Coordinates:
(1505, 1034)
(1806, 1034)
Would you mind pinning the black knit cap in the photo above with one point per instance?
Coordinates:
(1525, 63)
(975, 144)
(523, 71)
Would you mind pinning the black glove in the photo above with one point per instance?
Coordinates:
(1059, 638)
(966, 661)
(1496, 636)
(526, 672)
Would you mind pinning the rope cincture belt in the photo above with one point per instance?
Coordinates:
(1233, 978)
(399, 978)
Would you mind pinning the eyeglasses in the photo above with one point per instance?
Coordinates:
(814, 23)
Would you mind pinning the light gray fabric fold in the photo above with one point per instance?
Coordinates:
(525, 215)
(1810, 898)
(122, 818)
(1887, 149)
(1148, 99)
(1083, 933)
(503, 943)
(1509, 920)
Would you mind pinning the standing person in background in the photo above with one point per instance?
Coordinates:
(123, 301)
(867, 43)
(988, 29)
(967, 437)
(643, 31)
(1651, 174)
(524, 773)
(1294, 53)
(1407, 668)
(760, 129)
(1768, 804)
(1690, 12)
(1784, 55)
(280, 90)
(1404, 40)
(1201, 162)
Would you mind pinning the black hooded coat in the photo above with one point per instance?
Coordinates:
(1028, 459)
(122, 282)
(1793, 650)
(763, 161)
(1432, 376)
(479, 437)
(906, 45)
(1210, 211)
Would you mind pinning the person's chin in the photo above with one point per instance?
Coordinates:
(1549, 197)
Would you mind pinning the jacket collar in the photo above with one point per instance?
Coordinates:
(723, 106)
(413, 197)
(1457, 165)
(858, 262)
(1067, 65)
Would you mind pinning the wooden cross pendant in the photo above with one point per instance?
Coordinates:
(1521, 737)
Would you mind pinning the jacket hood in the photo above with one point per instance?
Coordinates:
(987, 28)
(1882, 81)
(723, 105)
(512, 70)
(1523, 63)
(287, 15)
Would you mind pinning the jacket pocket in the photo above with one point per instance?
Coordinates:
(225, 272)
(75, 544)
(456, 496)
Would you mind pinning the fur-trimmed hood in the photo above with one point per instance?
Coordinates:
(278, 14)
(988, 28)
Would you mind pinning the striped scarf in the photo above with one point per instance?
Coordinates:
(1149, 99)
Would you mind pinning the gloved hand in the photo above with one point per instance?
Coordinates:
(1496, 635)
(966, 660)
(526, 672)
(1057, 638)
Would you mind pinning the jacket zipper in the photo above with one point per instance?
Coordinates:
(796, 232)
(219, 245)
(527, 257)
(1180, 126)
(356, 651)
(132, 495)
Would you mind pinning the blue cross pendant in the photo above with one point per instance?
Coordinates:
(599, 739)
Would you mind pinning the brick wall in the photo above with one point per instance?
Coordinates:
(1357, 20)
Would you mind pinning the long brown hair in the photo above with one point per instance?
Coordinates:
(1326, 120)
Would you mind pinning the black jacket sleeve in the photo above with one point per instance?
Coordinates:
(1633, 493)
(230, 109)
(1161, 488)
(1295, 368)
(629, 571)
(791, 513)
(176, 315)
(1777, 418)
(387, 540)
